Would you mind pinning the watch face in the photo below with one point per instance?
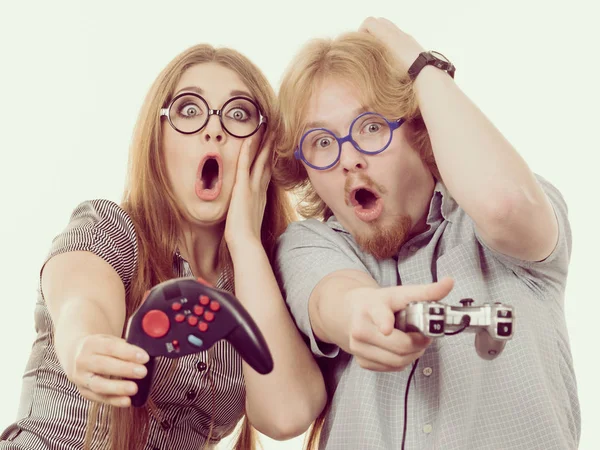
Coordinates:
(438, 55)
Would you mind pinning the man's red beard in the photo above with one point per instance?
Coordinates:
(381, 242)
(385, 242)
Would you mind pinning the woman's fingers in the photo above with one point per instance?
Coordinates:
(113, 367)
(106, 386)
(119, 401)
(261, 169)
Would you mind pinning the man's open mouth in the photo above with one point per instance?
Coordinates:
(367, 204)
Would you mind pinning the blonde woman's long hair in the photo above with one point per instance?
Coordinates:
(157, 216)
(370, 68)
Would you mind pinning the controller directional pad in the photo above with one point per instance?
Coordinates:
(156, 323)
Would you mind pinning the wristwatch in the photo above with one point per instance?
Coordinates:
(431, 59)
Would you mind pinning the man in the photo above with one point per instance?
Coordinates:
(422, 199)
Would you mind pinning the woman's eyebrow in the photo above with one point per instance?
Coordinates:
(195, 89)
(199, 91)
(236, 92)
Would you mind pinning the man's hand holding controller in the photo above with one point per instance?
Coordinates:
(373, 339)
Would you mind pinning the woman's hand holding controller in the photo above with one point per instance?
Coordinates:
(100, 361)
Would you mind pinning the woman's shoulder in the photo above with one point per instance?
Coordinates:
(97, 210)
(104, 215)
(102, 227)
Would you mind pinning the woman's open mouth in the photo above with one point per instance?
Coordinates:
(209, 177)
(368, 206)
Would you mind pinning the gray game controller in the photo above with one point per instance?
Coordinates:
(492, 322)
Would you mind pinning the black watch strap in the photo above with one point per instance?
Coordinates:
(430, 59)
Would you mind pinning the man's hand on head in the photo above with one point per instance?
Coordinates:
(403, 45)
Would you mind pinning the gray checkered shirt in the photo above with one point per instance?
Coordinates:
(525, 399)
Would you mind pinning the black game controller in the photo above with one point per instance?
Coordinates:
(492, 323)
(186, 315)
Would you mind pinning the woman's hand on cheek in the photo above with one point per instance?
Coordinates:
(249, 196)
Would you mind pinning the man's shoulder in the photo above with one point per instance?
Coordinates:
(314, 234)
(307, 227)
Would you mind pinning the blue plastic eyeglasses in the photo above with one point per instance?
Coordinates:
(370, 133)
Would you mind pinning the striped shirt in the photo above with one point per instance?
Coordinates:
(53, 415)
(524, 399)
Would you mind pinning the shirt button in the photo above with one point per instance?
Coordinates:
(201, 366)
(165, 424)
(413, 248)
(191, 395)
(427, 428)
(427, 371)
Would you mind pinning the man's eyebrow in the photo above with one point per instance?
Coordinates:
(322, 124)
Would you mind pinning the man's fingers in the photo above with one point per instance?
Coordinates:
(378, 359)
(382, 316)
(400, 296)
(366, 24)
(396, 341)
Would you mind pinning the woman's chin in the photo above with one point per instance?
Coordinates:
(208, 214)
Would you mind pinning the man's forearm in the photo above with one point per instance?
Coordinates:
(328, 306)
(481, 169)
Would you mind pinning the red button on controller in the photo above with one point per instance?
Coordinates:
(192, 320)
(176, 306)
(179, 318)
(203, 326)
(215, 306)
(209, 316)
(198, 310)
(155, 323)
(204, 300)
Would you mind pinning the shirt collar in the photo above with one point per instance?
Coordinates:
(442, 203)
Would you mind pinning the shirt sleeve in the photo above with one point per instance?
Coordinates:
(104, 229)
(306, 253)
(551, 272)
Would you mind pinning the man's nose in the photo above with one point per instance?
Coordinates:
(351, 159)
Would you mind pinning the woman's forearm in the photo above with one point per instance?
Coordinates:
(285, 402)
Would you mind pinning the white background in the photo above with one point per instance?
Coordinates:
(73, 76)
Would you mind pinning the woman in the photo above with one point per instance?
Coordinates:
(198, 202)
